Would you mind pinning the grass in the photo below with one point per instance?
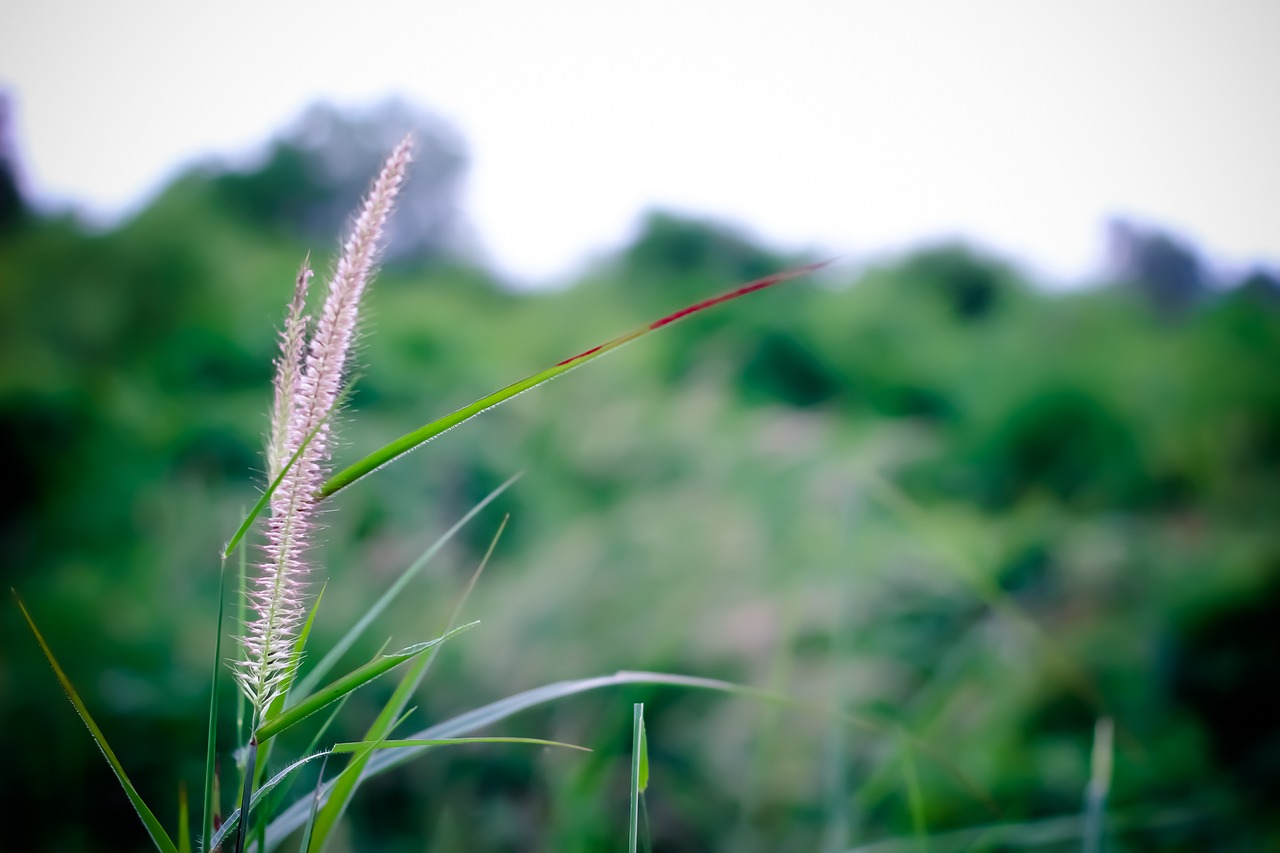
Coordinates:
(300, 693)
(274, 626)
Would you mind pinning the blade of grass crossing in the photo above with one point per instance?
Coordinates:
(232, 822)
(293, 817)
(423, 434)
(357, 746)
(154, 828)
(315, 804)
(246, 797)
(281, 793)
(312, 678)
(353, 680)
(344, 787)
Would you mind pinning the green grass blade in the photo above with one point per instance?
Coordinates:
(305, 845)
(353, 680)
(425, 433)
(356, 746)
(312, 678)
(158, 836)
(211, 742)
(637, 759)
(246, 794)
(233, 819)
(294, 817)
(338, 795)
(280, 794)
(644, 754)
(323, 821)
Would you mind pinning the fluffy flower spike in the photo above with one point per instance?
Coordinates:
(308, 384)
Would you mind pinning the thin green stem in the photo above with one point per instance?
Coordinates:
(251, 760)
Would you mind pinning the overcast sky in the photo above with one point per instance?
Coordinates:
(853, 127)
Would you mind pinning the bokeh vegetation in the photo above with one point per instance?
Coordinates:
(928, 491)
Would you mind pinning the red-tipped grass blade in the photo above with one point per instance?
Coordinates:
(423, 434)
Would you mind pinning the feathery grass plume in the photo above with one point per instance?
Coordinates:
(293, 342)
(308, 385)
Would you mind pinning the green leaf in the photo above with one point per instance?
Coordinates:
(425, 433)
(353, 680)
(158, 836)
(233, 819)
(644, 755)
(296, 815)
(336, 796)
(637, 759)
(326, 663)
(281, 793)
(448, 741)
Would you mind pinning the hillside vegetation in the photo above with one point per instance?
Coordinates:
(927, 491)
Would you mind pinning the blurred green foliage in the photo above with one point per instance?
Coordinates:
(929, 492)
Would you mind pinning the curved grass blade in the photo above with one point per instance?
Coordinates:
(312, 678)
(293, 817)
(337, 795)
(158, 836)
(356, 746)
(315, 804)
(353, 680)
(280, 794)
(233, 819)
(425, 433)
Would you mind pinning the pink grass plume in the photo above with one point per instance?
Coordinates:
(308, 386)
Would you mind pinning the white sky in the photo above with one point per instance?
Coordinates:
(853, 127)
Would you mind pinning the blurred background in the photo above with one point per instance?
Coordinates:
(1007, 468)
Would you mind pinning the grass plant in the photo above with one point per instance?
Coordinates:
(282, 686)
(275, 608)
